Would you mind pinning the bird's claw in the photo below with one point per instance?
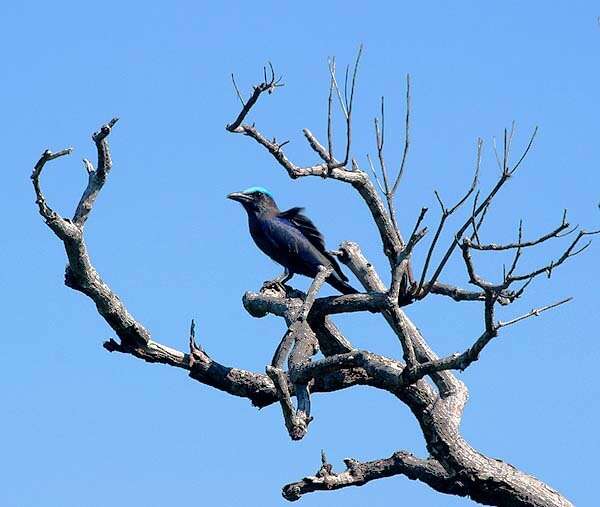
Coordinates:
(273, 285)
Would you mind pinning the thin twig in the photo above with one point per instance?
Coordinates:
(406, 136)
(548, 268)
(523, 244)
(533, 313)
(330, 112)
(506, 174)
(445, 214)
(375, 174)
(268, 85)
(237, 90)
(347, 105)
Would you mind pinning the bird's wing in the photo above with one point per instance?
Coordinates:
(305, 226)
(310, 232)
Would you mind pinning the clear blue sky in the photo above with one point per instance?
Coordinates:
(80, 426)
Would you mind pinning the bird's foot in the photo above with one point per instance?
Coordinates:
(273, 285)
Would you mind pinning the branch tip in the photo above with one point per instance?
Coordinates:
(535, 312)
(193, 346)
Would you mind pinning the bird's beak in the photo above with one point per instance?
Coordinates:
(239, 197)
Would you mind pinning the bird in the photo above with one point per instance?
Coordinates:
(289, 238)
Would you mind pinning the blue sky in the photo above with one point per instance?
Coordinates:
(83, 427)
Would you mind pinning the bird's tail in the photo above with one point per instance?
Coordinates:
(337, 283)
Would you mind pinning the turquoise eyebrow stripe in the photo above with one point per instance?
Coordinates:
(262, 190)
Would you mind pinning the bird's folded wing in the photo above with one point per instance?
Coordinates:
(310, 232)
(304, 225)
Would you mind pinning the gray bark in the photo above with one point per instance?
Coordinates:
(424, 382)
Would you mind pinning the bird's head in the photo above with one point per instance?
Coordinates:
(254, 199)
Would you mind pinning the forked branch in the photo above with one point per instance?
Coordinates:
(303, 343)
(429, 471)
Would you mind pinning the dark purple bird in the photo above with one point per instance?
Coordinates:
(289, 238)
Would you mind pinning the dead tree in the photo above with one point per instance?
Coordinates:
(422, 381)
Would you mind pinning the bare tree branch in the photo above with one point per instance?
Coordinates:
(464, 360)
(445, 214)
(80, 273)
(406, 137)
(346, 105)
(304, 346)
(400, 270)
(330, 111)
(533, 313)
(548, 268)
(96, 178)
(268, 85)
(552, 234)
(429, 471)
(401, 325)
(507, 172)
(52, 218)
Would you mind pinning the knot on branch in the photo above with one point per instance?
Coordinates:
(296, 420)
(299, 427)
(114, 346)
(292, 492)
(273, 298)
(71, 280)
(354, 468)
(326, 468)
(196, 354)
(104, 130)
(76, 281)
(129, 345)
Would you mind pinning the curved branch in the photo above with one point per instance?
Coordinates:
(80, 273)
(53, 219)
(522, 244)
(96, 178)
(429, 471)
